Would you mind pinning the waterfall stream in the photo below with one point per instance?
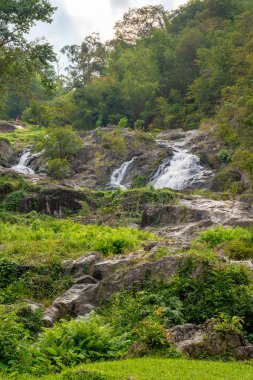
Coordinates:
(181, 170)
(22, 166)
(119, 176)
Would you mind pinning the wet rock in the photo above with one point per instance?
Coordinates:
(204, 340)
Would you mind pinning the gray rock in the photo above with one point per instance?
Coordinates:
(7, 155)
(204, 340)
(76, 301)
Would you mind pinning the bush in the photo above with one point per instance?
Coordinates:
(123, 122)
(12, 338)
(60, 142)
(217, 235)
(58, 168)
(73, 342)
(225, 156)
(12, 200)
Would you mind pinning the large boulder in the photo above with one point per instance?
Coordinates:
(7, 155)
(199, 341)
(96, 280)
(53, 201)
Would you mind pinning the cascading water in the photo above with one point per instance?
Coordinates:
(22, 166)
(119, 175)
(181, 171)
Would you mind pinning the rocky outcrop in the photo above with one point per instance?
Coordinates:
(53, 201)
(96, 280)
(199, 341)
(7, 155)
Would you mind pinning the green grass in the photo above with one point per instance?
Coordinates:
(45, 240)
(236, 242)
(163, 369)
(21, 138)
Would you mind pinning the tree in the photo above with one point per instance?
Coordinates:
(138, 22)
(20, 59)
(61, 142)
(87, 60)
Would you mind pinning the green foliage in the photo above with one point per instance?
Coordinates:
(82, 374)
(45, 240)
(73, 342)
(12, 200)
(61, 142)
(8, 272)
(58, 168)
(139, 124)
(12, 338)
(224, 323)
(217, 235)
(225, 156)
(236, 243)
(123, 122)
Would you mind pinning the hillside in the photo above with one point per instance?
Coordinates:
(126, 214)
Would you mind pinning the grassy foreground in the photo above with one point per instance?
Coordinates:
(160, 369)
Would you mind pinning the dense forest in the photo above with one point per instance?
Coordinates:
(109, 270)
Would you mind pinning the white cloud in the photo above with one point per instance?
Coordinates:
(75, 19)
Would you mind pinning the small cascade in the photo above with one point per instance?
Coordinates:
(119, 175)
(180, 171)
(22, 166)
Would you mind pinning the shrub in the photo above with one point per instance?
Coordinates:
(217, 235)
(139, 124)
(73, 342)
(12, 200)
(12, 338)
(225, 156)
(123, 122)
(58, 168)
(60, 142)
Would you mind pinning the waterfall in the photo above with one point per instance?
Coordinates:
(181, 171)
(119, 175)
(22, 166)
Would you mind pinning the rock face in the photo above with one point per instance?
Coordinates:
(198, 341)
(7, 155)
(96, 279)
(53, 201)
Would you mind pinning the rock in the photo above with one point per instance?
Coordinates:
(106, 268)
(7, 155)
(171, 215)
(78, 300)
(204, 340)
(33, 305)
(53, 201)
(164, 268)
(82, 266)
(87, 293)
(85, 280)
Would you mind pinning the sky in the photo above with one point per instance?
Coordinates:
(75, 19)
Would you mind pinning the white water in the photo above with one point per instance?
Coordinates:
(24, 160)
(180, 172)
(119, 175)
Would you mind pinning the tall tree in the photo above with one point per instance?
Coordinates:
(138, 22)
(20, 59)
(87, 61)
